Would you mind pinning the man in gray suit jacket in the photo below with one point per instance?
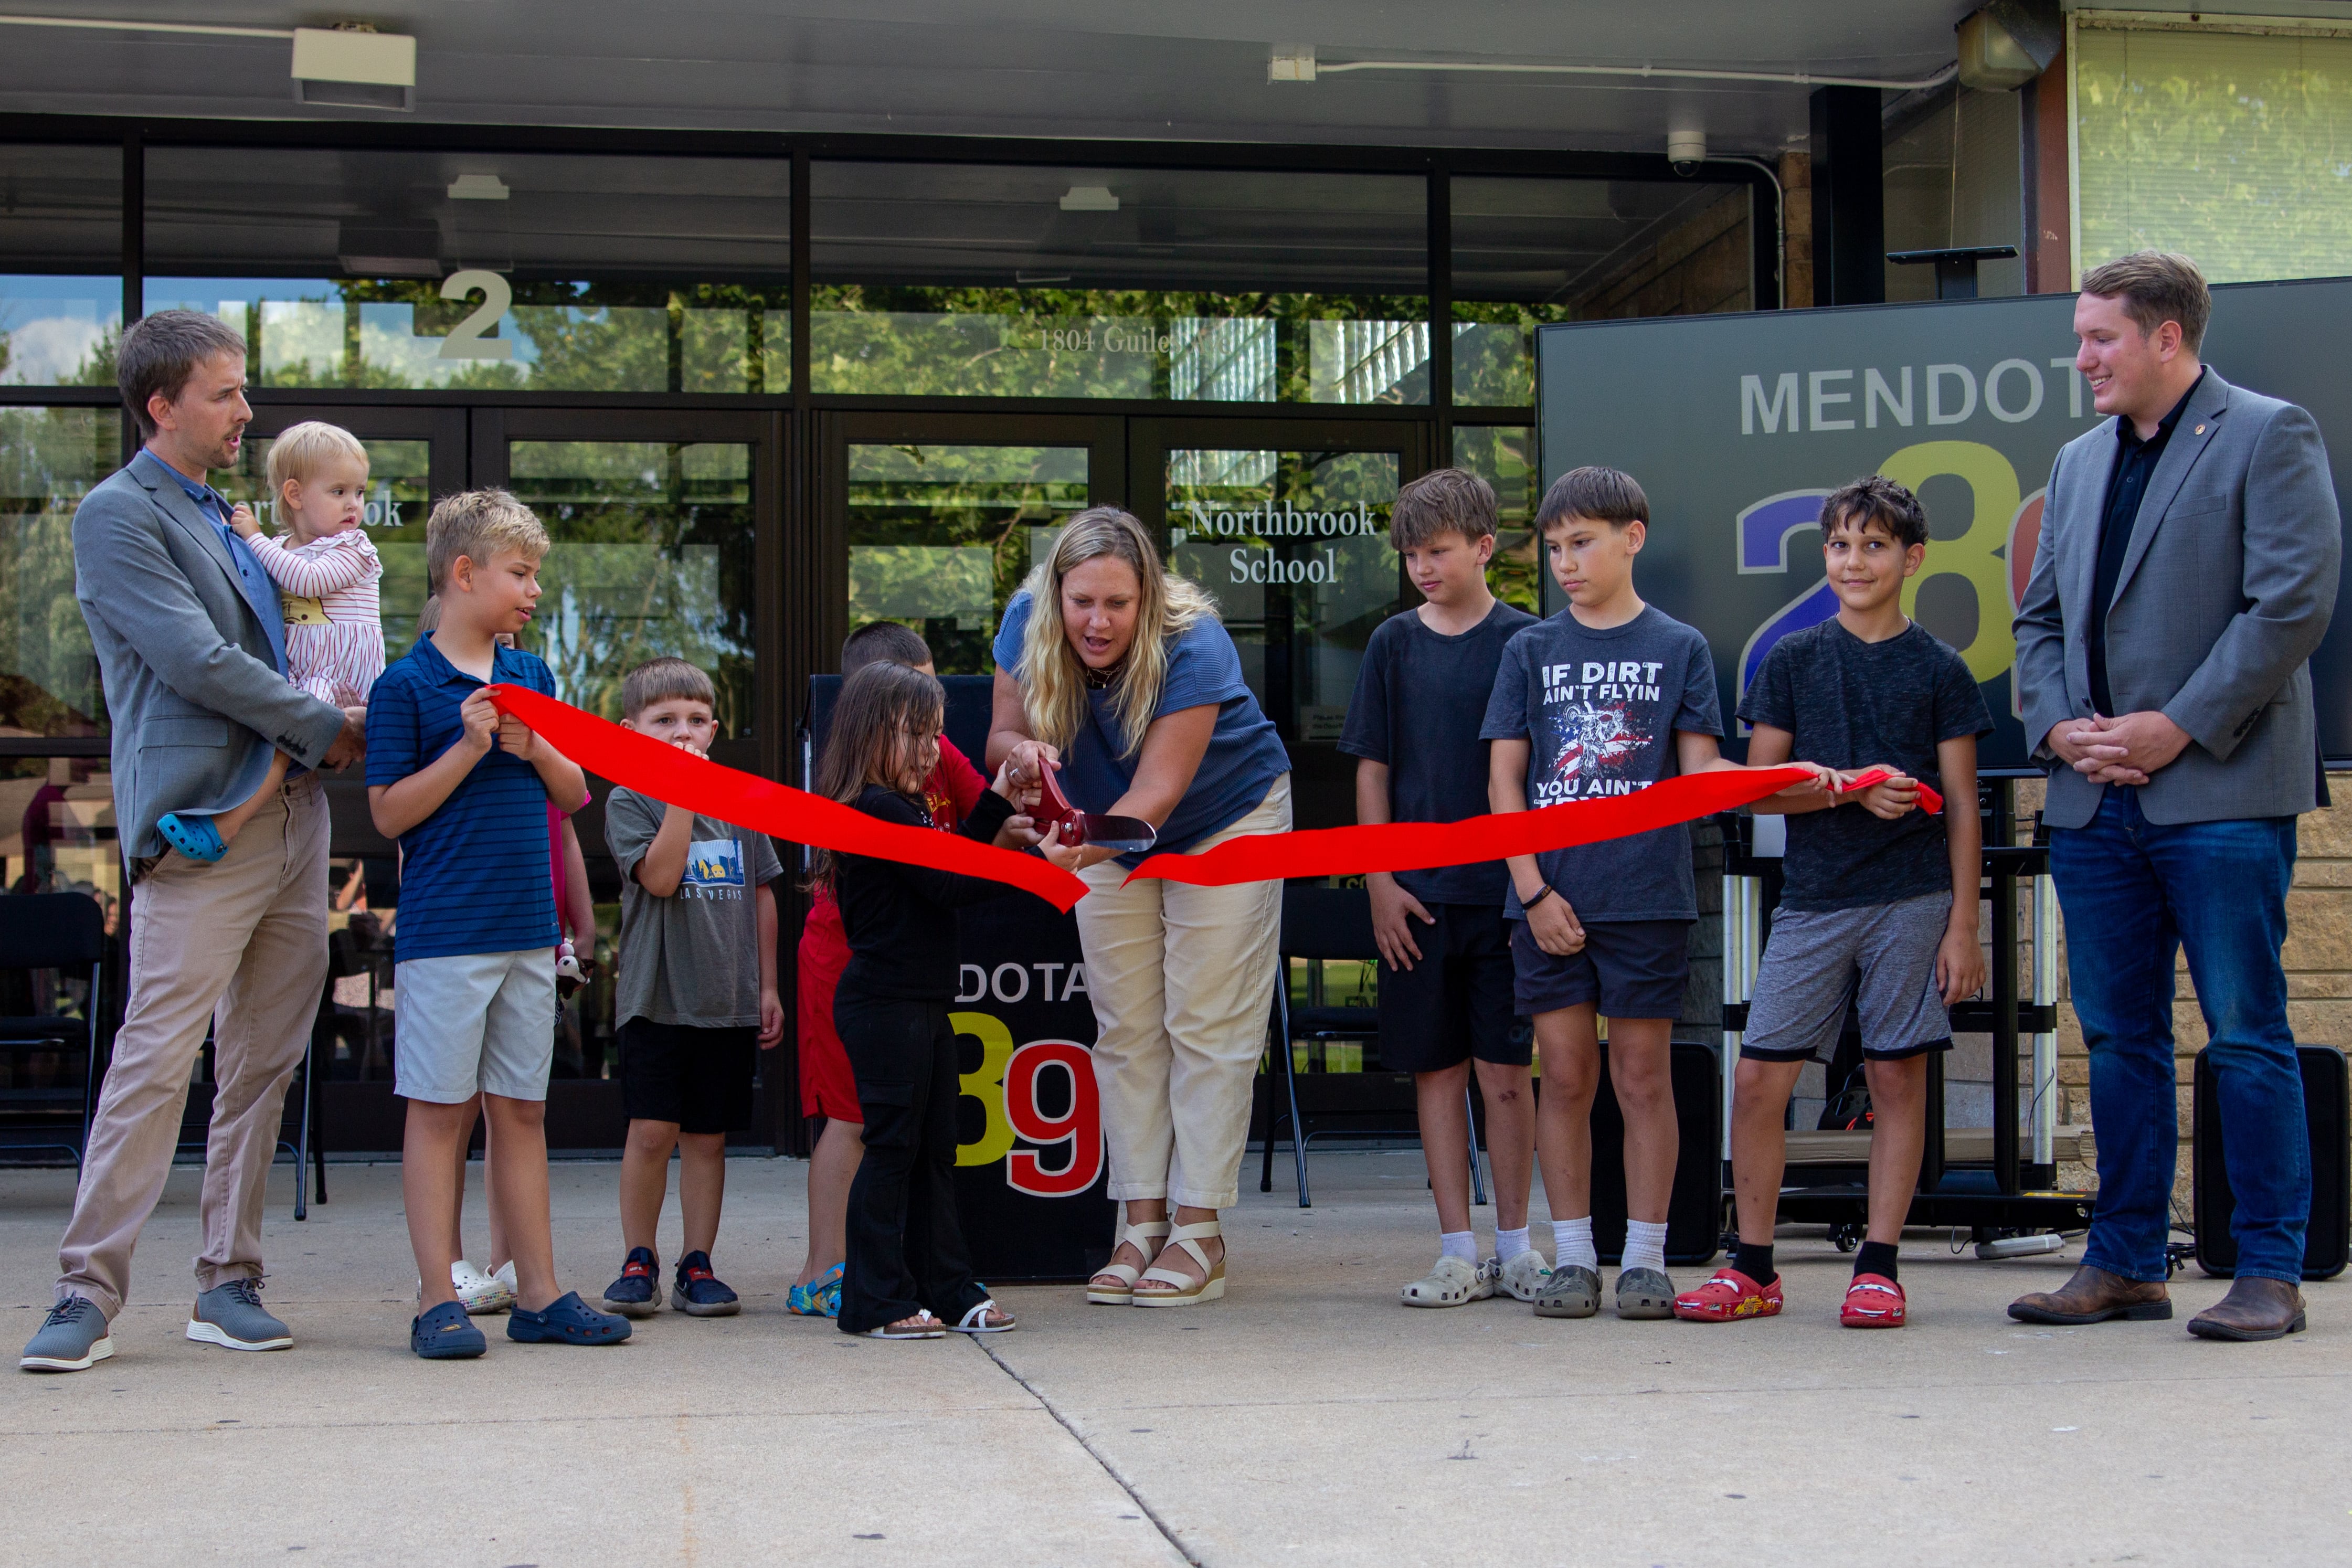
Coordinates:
(190, 639)
(2188, 568)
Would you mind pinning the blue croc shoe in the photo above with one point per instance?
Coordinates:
(445, 1333)
(637, 1292)
(568, 1321)
(194, 836)
(820, 1297)
(698, 1292)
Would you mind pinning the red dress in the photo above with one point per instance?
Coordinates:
(827, 1090)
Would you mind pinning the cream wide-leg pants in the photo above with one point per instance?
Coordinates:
(1183, 981)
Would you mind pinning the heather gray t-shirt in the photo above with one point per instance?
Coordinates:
(1599, 710)
(694, 957)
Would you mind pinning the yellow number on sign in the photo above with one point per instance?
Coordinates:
(1974, 555)
(986, 1086)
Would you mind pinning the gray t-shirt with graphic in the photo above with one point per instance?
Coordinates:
(1601, 709)
(694, 957)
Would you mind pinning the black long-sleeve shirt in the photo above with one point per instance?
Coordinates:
(900, 919)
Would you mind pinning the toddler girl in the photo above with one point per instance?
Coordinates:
(327, 573)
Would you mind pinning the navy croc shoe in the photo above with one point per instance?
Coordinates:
(445, 1333)
(568, 1321)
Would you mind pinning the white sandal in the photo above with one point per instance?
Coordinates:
(976, 1321)
(1453, 1283)
(1150, 1230)
(1188, 1289)
(926, 1328)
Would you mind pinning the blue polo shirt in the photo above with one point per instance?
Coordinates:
(474, 875)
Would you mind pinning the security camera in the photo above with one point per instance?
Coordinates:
(1685, 149)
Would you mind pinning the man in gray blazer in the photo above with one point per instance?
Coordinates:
(190, 639)
(2187, 569)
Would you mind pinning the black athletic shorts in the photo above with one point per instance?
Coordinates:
(1632, 969)
(699, 1079)
(1454, 1003)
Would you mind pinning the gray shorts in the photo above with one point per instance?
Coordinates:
(474, 1023)
(1880, 958)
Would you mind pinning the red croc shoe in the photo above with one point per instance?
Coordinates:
(1729, 1295)
(1872, 1302)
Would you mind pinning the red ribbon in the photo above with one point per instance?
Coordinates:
(1929, 801)
(679, 777)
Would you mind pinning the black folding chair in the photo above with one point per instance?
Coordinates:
(65, 932)
(1333, 924)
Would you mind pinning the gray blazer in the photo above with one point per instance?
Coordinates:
(195, 717)
(2226, 589)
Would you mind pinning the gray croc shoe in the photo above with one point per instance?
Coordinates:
(1522, 1279)
(1645, 1293)
(1571, 1291)
(1453, 1283)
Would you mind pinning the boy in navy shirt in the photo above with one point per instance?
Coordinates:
(466, 792)
(1445, 993)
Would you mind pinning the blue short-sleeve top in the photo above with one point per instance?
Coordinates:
(1245, 754)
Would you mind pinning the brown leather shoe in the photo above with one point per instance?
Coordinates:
(2094, 1296)
(2254, 1310)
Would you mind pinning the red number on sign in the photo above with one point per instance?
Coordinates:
(1080, 1127)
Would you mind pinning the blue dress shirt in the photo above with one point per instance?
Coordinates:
(259, 590)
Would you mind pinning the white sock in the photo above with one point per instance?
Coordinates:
(1646, 1245)
(1509, 1243)
(1571, 1244)
(1461, 1244)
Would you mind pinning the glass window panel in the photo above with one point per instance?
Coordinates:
(940, 537)
(1954, 176)
(379, 268)
(61, 264)
(1220, 286)
(49, 459)
(1530, 252)
(58, 836)
(2231, 147)
(1295, 547)
(652, 556)
(1505, 456)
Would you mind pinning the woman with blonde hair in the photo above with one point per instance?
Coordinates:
(1119, 678)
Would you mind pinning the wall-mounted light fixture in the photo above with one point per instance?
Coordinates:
(1290, 62)
(1090, 199)
(478, 188)
(355, 67)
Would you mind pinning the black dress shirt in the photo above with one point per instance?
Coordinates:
(2135, 463)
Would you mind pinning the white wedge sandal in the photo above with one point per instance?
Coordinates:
(1142, 1237)
(1188, 1290)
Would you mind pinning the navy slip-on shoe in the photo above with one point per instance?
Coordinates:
(568, 1321)
(699, 1293)
(445, 1333)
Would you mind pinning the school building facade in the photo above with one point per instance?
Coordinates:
(789, 324)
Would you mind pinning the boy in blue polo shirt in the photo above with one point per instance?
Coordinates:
(466, 792)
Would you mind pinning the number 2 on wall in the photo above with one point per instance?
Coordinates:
(464, 340)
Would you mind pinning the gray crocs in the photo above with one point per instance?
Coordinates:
(1453, 1283)
(1645, 1293)
(1572, 1292)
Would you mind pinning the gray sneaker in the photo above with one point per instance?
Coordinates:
(70, 1339)
(1572, 1292)
(1645, 1293)
(230, 1315)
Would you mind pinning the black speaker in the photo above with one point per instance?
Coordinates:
(1694, 1212)
(2327, 1241)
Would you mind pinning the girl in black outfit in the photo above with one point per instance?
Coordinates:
(908, 1273)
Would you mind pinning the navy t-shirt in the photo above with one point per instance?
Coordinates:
(1245, 756)
(1420, 698)
(1853, 704)
(474, 875)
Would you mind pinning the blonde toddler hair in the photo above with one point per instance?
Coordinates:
(478, 524)
(302, 450)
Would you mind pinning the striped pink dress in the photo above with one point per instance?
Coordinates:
(334, 625)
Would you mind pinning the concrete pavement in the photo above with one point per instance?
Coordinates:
(1307, 1418)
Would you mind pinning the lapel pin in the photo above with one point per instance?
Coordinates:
(2198, 431)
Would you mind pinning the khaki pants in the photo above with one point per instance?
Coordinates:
(247, 935)
(1182, 983)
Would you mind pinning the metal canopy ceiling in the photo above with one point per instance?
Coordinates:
(1178, 70)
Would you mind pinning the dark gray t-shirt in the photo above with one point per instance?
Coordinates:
(1601, 709)
(1853, 704)
(1420, 695)
(694, 957)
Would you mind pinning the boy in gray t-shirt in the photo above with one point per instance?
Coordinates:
(696, 997)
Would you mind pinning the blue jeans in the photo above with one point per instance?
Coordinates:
(2133, 892)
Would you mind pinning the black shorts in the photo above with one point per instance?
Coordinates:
(699, 1079)
(1455, 1001)
(1631, 969)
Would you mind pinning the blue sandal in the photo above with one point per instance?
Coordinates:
(196, 837)
(820, 1297)
(568, 1321)
(445, 1333)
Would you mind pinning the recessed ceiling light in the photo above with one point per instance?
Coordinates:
(355, 67)
(1090, 199)
(478, 188)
